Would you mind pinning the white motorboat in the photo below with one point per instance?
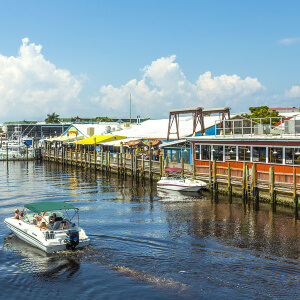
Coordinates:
(180, 184)
(55, 237)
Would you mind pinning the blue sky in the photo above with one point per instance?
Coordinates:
(104, 45)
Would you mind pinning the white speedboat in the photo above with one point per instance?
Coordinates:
(180, 184)
(55, 237)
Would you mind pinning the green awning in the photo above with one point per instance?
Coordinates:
(48, 206)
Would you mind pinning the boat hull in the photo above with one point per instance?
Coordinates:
(174, 187)
(182, 184)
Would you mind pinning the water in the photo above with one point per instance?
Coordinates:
(146, 243)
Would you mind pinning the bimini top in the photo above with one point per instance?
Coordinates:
(173, 169)
(48, 206)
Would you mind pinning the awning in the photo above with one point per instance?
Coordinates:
(96, 139)
(48, 206)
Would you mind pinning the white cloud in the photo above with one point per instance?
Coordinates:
(292, 93)
(164, 86)
(31, 86)
(289, 41)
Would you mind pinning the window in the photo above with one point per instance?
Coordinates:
(244, 153)
(197, 152)
(173, 155)
(205, 152)
(275, 155)
(292, 156)
(230, 152)
(259, 154)
(218, 153)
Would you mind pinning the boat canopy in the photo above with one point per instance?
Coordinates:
(173, 169)
(49, 206)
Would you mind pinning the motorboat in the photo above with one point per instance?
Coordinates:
(63, 234)
(180, 184)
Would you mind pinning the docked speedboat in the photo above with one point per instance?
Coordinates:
(56, 237)
(180, 184)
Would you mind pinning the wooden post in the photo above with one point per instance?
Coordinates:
(255, 193)
(194, 168)
(215, 183)
(271, 186)
(131, 164)
(7, 151)
(182, 167)
(95, 153)
(161, 166)
(76, 156)
(135, 166)
(121, 163)
(26, 153)
(150, 161)
(229, 181)
(108, 160)
(81, 156)
(101, 159)
(143, 167)
(90, 157)
(209, 174)
(244, 179)
(118, 162)
(295, 188)
(167, 166)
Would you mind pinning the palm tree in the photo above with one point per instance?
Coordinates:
(52, 118)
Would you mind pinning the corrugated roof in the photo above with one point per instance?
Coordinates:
(158, 129)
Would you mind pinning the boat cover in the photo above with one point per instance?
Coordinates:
(48, 206)
(173, 169)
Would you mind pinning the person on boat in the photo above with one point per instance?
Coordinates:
(42, 226)
(22, 215)
(16, 216)
(64, 225)
(40, 216)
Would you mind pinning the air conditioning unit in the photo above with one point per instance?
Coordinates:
(90, 131)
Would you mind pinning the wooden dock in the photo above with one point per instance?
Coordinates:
(227, 180)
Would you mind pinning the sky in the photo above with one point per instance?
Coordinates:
(85, 58)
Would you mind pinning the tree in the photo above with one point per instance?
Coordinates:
(102, 119)
(52, 118)
(263, 112)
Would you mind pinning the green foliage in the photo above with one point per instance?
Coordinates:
(102, 119)
(1, 130)
(263, 112)
(52, 118)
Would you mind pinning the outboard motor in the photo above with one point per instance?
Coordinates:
(72, 239)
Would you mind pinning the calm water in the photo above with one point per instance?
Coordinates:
(146, 243)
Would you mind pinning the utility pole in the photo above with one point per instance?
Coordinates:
(130, 108)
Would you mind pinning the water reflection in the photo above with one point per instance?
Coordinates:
(40, 263)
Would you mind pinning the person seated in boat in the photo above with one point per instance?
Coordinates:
(16, 216)
(22, 215)
(55, 218)
(42, 226)
(40, 216)
(64, 225)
